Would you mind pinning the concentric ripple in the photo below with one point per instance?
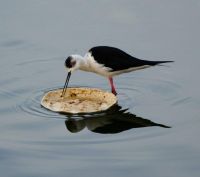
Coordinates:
(142, 91)
(38, 76)
(32, 106)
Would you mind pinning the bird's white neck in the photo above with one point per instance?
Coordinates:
(87, 63)
(82, 62)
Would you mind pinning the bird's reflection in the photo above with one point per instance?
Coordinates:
(114, 120)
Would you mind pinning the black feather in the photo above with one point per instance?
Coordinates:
(117, 59)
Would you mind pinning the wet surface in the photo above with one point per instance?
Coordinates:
(154, 129)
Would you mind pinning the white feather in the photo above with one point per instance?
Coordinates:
(88, 63)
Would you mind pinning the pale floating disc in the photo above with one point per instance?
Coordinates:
(78, 100)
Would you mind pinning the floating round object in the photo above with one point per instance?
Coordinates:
(78, 100)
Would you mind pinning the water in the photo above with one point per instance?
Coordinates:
(132, 139)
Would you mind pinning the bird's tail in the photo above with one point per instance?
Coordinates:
(153, 63)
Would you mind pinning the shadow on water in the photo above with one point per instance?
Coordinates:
(115, 120)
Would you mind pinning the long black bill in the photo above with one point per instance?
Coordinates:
(66, 84)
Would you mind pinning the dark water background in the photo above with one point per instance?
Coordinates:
(35, 38)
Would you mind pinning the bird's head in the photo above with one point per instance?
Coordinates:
(72, 63)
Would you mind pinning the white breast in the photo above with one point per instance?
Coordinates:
(91, 65)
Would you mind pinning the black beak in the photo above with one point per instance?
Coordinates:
(66, 84)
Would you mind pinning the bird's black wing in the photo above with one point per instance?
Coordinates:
(117, 59)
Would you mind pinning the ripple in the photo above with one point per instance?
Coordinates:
(128, 98)
(33, 107)
(8, 105)
(12, 43)
(37, 61)
(114, 120)
(181, 101)
(132, 91)
(104, 139)
(150, 90)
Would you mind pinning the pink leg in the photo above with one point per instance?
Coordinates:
(112, 86)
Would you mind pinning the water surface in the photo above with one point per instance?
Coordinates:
(133, 138)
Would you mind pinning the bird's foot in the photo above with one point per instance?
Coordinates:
(114, 92)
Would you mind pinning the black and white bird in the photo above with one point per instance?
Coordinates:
(106, 61)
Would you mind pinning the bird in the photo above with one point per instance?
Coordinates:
(106, 61)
